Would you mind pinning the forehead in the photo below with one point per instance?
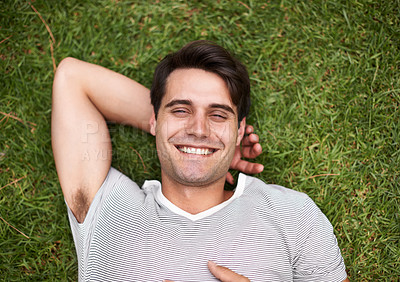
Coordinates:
(197, 85)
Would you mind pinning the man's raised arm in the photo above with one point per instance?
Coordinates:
(84, 96)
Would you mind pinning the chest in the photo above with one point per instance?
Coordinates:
(149, 246)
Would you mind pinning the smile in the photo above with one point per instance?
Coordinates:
(195, 151)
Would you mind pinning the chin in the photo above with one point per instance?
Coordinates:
(197, 179)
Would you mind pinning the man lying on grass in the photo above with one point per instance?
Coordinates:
(187, 228)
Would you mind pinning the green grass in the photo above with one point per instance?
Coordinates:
(326, 97)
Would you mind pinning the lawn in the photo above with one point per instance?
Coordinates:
(326, 94)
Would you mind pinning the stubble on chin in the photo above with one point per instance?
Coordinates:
(190, 171)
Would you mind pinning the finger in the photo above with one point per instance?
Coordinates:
(252, 152)
(248, 167)
(229, 178)
(249, 129)
(225, 274)
(250, 139)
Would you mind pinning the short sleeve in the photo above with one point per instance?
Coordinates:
(83, 232)
(318, 256)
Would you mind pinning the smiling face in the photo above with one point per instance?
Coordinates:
(196, 129)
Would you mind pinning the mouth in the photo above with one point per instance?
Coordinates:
(195, 150)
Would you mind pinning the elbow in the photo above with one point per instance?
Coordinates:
(64, 78)
(65, 67)
(65, 74)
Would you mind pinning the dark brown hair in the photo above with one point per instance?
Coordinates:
(210, 57)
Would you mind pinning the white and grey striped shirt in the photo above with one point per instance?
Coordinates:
(264, 232)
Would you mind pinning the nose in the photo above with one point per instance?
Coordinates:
(198, 126)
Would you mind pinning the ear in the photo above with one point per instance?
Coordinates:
(153, 124)
(241, 131)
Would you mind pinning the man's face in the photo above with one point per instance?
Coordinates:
(196, 129)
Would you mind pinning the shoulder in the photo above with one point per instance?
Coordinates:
(279, 203)
(287, 206)
(274, 194)
(119, 185)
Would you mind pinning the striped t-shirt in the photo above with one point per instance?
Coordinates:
(264, 232)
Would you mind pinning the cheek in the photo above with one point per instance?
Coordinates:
(227, 133)
(167, 129)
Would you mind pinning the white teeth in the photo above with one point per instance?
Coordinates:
(196, 151)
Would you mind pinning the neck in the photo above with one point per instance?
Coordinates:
(195, 199)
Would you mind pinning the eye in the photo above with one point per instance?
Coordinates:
(218, 116)
(180, 112)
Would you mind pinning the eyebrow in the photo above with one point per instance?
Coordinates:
(189, 103)
(178, 102)
(223, 106)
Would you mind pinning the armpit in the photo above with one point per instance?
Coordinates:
(80, 206)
